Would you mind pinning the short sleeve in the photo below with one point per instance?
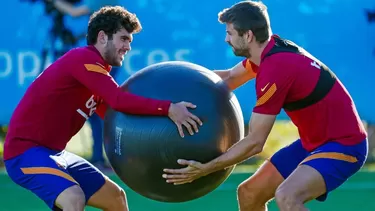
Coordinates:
(250, 66)
(272, 87)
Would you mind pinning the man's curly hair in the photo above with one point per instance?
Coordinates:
(111, 19)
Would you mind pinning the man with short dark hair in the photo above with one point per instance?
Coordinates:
(58, 103)
(85, 8)
(333, 141)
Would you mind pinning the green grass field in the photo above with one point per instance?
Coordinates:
(358, 194)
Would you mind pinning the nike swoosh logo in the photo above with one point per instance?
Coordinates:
(262, 89)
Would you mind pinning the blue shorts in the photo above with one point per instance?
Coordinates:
(334, 161)
(47, 173)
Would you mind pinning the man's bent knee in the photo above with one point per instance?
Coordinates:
(286, 199)
(255, 192)
(111, 197)
(119, 201)
(246, 192)
(72, 199)
(250, 197)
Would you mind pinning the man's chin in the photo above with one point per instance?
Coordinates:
(117, 64)
(237, 53)
(240, 54)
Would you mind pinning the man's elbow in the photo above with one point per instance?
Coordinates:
(113, 102)
(258, 149)
(258, 146)
(115, 106)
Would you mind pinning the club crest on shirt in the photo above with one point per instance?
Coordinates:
(90, 105)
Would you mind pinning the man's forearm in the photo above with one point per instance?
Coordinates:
(223, 74)
(239, 152)
(226, 77)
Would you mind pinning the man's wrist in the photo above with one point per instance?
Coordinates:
(209, 167)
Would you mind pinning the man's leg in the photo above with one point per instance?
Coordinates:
(37, 171)
(71, 199)
(322, 171)
(110, 197)
(254, 193)
(304, 184)
(98, 189)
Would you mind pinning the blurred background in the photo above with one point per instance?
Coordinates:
(341, 33)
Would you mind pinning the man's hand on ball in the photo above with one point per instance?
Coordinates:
(180, 115)
(193, 171)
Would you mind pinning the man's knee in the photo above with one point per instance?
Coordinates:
(244, 190)
(286, 197)
(72, 198)
(249, 193)
(261, 186)
(110, 197)
(118, 201)
(120, 197)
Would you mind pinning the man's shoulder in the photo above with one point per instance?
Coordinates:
(81, 55)
(277, 67)
(282, 62)
(84, 58)
(271, 63)
(82, 52)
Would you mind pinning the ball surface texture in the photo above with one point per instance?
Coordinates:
(140, 147)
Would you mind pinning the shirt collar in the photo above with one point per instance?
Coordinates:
(269, 46)
(106, 65)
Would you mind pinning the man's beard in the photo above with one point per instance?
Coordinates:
(111, 55)
(242, 52)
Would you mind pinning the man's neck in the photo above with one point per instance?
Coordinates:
(256, 52)
(99, 50)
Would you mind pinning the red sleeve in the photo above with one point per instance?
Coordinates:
(272, 87)
(101, 109)
(91, 74)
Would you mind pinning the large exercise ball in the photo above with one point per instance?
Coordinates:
(140, 147)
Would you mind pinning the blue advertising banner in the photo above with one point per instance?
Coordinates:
(337, 32)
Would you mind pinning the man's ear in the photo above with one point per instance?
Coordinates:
(249, 36)
(102, 37)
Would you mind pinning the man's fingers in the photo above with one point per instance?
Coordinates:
(188, 127)
(185, 162)
(175, 171)
(179, 181)
(195, 118)
(180, 130)
(194, 124)
(189, 105)
(191, 163)
(175, 176)
(182, 182)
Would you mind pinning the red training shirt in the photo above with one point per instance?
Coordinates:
(287, 77)
(61, 99)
